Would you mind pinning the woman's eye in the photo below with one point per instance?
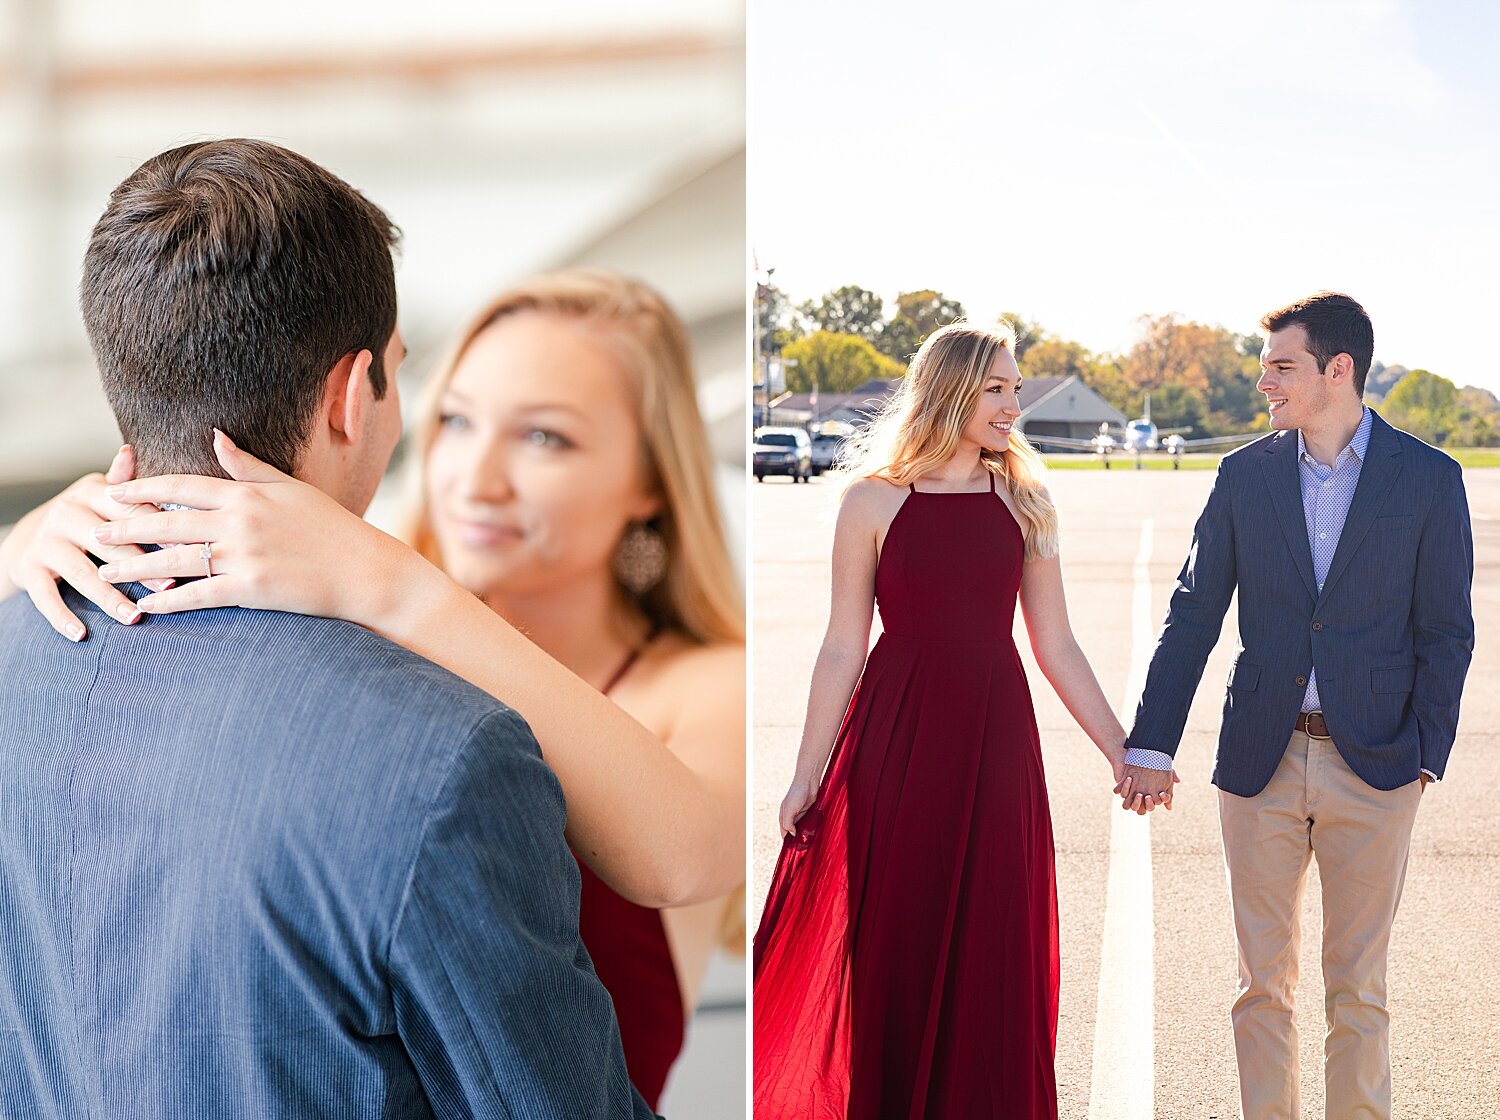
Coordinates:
(453, 422)
(544, 437)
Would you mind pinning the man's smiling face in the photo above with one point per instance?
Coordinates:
(1296, 390)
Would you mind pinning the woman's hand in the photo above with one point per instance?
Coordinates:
(798, 800)
(53, 543)
(276, 543)
(1115, 754)
(1130, 789)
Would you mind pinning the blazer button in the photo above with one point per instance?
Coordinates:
(1302, 681)
(1317, 626)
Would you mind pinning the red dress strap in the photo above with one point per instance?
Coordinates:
(633, 959)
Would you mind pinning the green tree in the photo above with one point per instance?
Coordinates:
(847, 310)
(1424, 404)
(775, 318)
(1250, 346)
(838, 363)
(1177, 406)
(917, 315)
(1382, 379)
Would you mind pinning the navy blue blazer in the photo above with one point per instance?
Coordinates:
(1391, 633)
(255, 864)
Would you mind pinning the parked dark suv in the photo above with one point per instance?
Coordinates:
(782, 451)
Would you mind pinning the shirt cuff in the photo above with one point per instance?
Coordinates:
(1150, 760)
(1426, 771)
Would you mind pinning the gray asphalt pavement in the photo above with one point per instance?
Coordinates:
(1445, 967)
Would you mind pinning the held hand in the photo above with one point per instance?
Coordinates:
(1143, 789)
(53, 543)
(276, 543)
(798, 800)
(1116, 757)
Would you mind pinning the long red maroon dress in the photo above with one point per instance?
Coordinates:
(906, 964)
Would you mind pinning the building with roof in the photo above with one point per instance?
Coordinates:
(1050, 406)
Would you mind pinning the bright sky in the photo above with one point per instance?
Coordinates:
(1082, 162)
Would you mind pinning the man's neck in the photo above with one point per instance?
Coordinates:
(1333, 431)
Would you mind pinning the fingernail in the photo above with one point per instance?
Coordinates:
(128, 613)
(76, 632)
(116, 492)
(108, 572)
(159, 584)
(101, 532)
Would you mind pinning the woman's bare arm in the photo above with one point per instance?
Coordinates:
(846, 643)
(1045, 608)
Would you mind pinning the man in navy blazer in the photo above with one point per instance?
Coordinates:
(256, 864)
(1350, 547)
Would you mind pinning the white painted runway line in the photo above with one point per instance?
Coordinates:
(1124, 1065)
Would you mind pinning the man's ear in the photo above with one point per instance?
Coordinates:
(347, 397)
(1341, 368)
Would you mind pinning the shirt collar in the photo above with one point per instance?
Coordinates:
(1360, 444)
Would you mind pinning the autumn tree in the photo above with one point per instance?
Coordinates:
(1218, 367)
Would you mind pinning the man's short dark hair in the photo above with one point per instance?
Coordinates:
(222, 282)
(1335, 324)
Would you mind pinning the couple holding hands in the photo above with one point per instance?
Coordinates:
(906, 963)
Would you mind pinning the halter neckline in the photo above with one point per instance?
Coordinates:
(912, 486)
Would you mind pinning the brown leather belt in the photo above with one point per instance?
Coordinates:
(1311, 724)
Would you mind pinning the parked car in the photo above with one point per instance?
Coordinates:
(827, 444)
(782, 451)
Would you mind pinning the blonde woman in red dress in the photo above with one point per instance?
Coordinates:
(906, 963)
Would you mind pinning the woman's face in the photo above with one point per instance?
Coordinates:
(536, 468)
(999, 405)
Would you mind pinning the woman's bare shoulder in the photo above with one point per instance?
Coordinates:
(691, 664)
(872, 499)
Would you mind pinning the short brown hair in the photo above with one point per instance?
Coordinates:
(1335, 324)
(222, 282)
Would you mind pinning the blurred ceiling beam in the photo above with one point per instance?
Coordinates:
(83, 80)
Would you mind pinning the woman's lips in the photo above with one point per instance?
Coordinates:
(479, 534)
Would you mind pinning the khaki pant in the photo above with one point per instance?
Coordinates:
(1315, 805)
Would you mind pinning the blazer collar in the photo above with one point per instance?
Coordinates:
(1279, 466)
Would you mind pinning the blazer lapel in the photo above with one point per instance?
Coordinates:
(1377, 474)
(1280, 469)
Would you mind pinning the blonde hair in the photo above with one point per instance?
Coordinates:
(920, 425)
(698, 596)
